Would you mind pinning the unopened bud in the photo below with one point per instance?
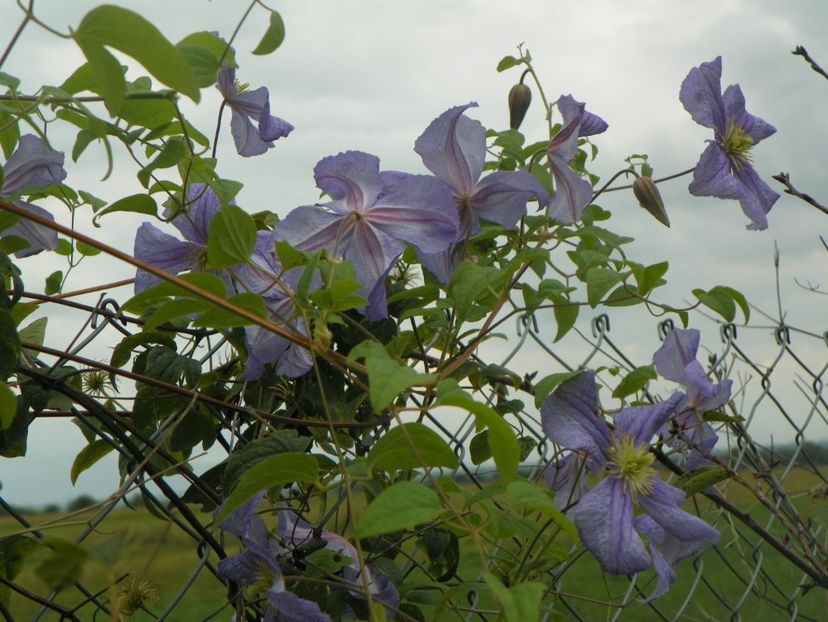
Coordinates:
(649, 198)
(519, 99)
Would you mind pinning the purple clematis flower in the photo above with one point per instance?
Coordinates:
(676, 360)
(370, 219)
(32, 166)
(171, 254)
(605, 515)
(256, 567)
(453, 147)
(572, 192)
(264, 276)
(724, 169)
(246, 105)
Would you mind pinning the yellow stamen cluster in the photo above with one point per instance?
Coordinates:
(133, 596)
(631, 462)
(736, 144)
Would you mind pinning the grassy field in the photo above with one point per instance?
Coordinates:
(710, 588)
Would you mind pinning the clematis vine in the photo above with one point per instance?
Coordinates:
(257, 570)
(606, 514)
(371, 218)
(246, 107)
(572, 192)
(676, 360)
(32, 166)
(724, 169)
(453, 148)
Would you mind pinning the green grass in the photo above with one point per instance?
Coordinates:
(135, 543)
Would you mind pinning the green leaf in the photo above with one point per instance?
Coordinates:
(547, 384)
(64, 564)
(507, 62)
(9, 344)
(8, 406)
(636, 380)
(13, 553)
(411, 446)
(203, 63)
(231, 238)
(35, 332)
(717, 300)
(479, 448)
(525, 495)
(174, 309)
(53, 283)
(468, 283)
(401, 506)
(273, 36)
(650, 277)
(274, 472)
(108, 73)
(87, 249)
(138, 203)
(521, 602)
(738, 297)
(566, 314)
(121, 352)
(699, 479)
(260, 449)
(171, 154)
(203, 280)
(87, 457)
(387, 377)
(128, 32)
(502, 440)
(599, 281)
(217, 317)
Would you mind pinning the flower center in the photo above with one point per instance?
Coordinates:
(736, 144)
(263, 581)
(631, 462)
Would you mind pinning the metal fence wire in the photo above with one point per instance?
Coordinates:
(771, 562)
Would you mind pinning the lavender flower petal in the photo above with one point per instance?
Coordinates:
(33, 165)
(569, 416)
(163, 251)
(604, 518)
(453, 147)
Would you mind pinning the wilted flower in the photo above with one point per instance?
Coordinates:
(372, 216)
(572, 192)
(453, 147)
(32, 166)
(257, 569)
(676, 360)
(297, 532)
(604, 515)
(246, 105)
(724, 169)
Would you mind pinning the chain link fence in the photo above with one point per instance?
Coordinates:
(771, 510)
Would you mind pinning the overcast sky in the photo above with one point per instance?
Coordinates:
(371, 75)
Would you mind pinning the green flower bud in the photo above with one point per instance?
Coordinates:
(519, 99)
(649, 198)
